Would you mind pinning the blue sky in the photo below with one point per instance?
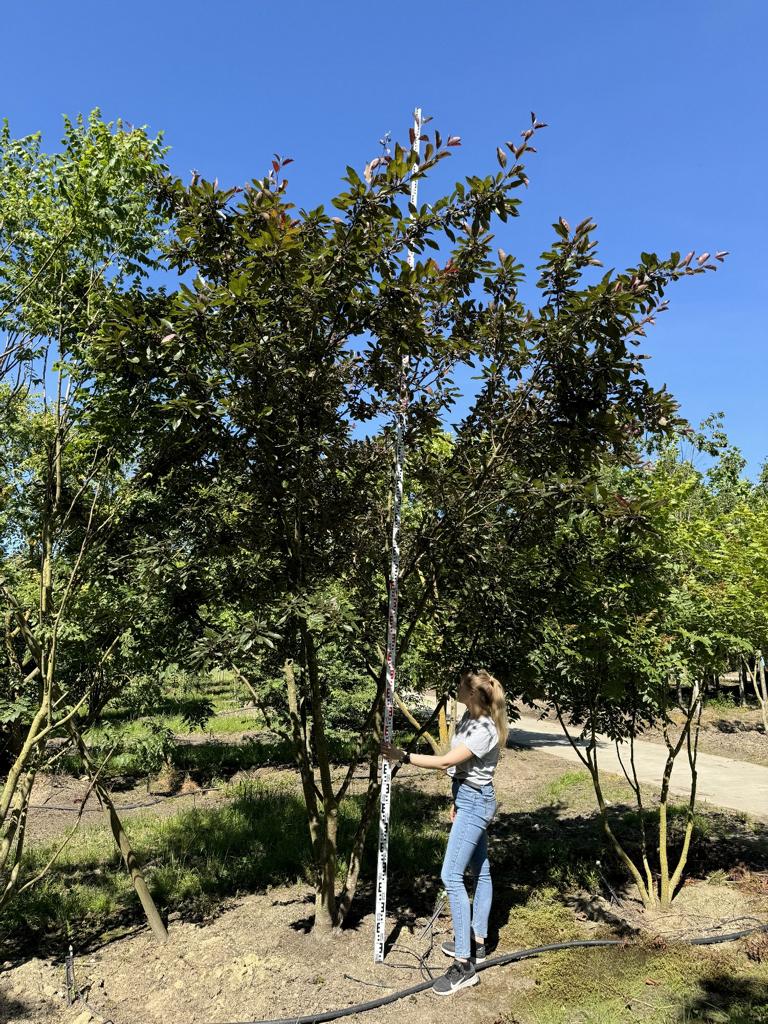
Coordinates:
(655, 112)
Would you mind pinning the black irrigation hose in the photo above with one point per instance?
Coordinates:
(125, 807)
(498, 961)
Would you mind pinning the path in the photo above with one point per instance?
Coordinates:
(723, 782)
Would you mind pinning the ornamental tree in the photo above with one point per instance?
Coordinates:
(278, 365)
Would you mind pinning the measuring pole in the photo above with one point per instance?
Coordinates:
(394, 577)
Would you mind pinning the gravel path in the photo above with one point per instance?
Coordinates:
(724, 782)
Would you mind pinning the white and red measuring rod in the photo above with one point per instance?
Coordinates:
(394, 577)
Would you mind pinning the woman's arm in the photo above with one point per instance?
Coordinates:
(460, 753)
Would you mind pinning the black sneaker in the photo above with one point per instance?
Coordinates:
(477, 951)
(457, 976)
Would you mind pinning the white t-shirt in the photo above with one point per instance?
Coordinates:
(479, 734)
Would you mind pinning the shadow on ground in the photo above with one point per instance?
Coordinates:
(201, 857)
(725, 998)
(729, 725)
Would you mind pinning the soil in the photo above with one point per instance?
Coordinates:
(699, 908)
(256, 961)
(56, 800)
(253, 962)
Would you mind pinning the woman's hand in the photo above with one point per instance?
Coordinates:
(391, 753)
(453, 813)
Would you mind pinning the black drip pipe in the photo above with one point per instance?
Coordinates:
(497, 961)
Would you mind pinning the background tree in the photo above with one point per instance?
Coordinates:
(78, 229)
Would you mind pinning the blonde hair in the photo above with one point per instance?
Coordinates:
(488, 695)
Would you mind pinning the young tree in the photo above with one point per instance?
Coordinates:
(78, 229)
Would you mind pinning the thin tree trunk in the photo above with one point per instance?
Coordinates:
(358, 843)
(757, 678)
(415, 723)
(693, 749)
(325, 894)
(634, 782)
(121, 839)
(443, 729)
(589, 760)
(666, 889)
(763, 698)
(14, 828)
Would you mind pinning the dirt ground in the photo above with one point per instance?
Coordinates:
(56, 800)
(255, 961)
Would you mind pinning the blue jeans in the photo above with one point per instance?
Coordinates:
(468, 847)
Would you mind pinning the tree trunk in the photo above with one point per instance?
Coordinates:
(121, 839)
(358, 843)
(742, 689)
(443, 729)
(667, 883)
(325, 889)
(415, 723)
(692, 748)
(589, 759)
(763, 698)
(757, 678)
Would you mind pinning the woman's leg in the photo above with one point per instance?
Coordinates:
(466, 832)
(481, 905)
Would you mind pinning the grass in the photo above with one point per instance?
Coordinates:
(542, 919)
(640, 983)
(196, 859)
(617, 986)
(199, 858)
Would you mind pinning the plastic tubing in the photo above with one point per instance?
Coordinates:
(497, 961)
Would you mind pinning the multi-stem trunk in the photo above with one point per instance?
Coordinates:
(759, 686)
(322, 809)
(668, 883)
(588, 757)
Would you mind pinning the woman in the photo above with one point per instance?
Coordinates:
(471, 762)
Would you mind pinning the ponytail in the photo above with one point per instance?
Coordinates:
(489, 696)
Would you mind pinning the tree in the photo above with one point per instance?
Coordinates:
(276, 361)
(652, 583)
(78, 230)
